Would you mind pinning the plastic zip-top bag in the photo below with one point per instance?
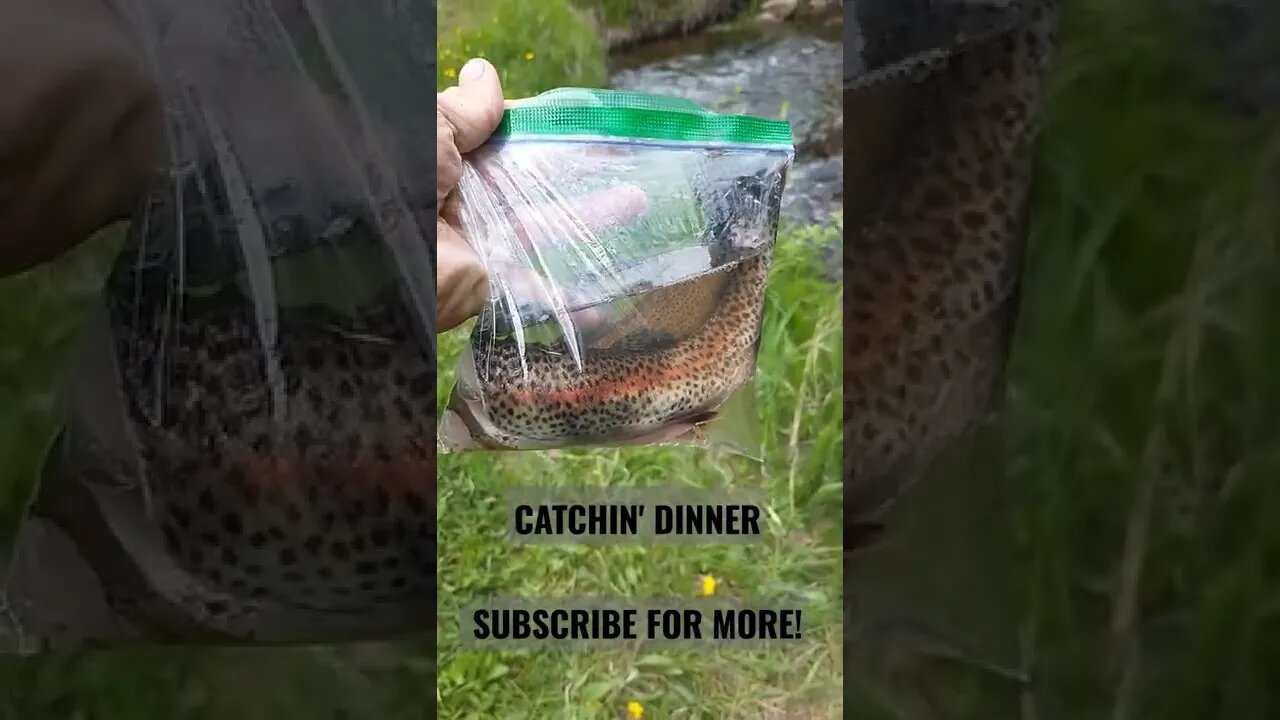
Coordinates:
(945, 102)
(248, 452)
(627, 239)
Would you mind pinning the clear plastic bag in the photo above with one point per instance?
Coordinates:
(248, 456)
(627, 239)
(943, 100)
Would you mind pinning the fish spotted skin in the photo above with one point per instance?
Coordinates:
(932, 272)
(627, 389)
(326, 503)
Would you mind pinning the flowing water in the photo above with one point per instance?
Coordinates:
(789, 70)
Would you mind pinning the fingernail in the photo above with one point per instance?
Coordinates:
(473, 70)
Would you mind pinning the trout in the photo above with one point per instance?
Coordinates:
(224, 487)
(935, 246)
(675, 357)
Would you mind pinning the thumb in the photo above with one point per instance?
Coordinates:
(474, 107)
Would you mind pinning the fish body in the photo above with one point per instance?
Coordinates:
(326, 506)
(678, 354)
(298, 506)
(932, 262)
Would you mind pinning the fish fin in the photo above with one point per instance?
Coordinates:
(701, 418)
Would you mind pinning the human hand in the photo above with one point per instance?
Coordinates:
(466, 116)
(80, 126)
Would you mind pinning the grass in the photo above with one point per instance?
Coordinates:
(1139, 448)
(40, 312)
(536, 46)
(798, 389)
(1156, 517)
(632, 14)
(1138, 444)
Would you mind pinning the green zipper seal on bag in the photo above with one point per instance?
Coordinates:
(622, 115)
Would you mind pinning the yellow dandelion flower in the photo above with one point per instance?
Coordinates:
(635, 710)
(450, 72)
(709, 584)
(528, 56)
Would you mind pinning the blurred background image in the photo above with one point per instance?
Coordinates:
(1106, 547)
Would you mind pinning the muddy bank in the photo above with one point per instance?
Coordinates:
(652, 21)
(648, 22)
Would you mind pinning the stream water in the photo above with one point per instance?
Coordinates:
(787, 70)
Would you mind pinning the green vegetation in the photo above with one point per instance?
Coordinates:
(1141, 428)
(555, 45)
(1147, 458)
(799, 404)
(798, 382)
(40, 312)
(639, 14)
(1139, 443)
